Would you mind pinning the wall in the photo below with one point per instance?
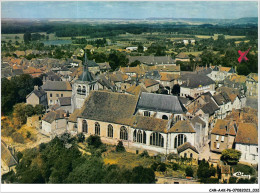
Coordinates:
(55, 98)
(248, 153)
(47, 127)
(195, 155)
(33, 100)
(226, 144)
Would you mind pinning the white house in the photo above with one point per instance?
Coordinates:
(247, 142)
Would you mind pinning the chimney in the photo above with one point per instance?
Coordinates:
(36, 87)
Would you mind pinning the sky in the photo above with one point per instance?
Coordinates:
(129, 9)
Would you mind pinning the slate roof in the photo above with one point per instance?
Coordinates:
(183, 100)
(183, 126)
(118, 77)
(223, 127)
(210, 108)
(65, 101)
(54, 115)
(247, 134)
(57, 85)
(52, 76)
(6, 156)
(196, 80)
(168, 68)
(221, 98)
(110, 107)
(86, 76)
(17, 72)
(185, 146)
(197, 119)
(155, 75)
(104, 82)
(160, 102)
(38, 93)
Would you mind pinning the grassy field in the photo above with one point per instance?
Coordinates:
(215, 37)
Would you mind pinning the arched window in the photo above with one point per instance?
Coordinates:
(185, 155)
(144, 137)
(165, 117)
(110, 130)
(97, 128)
(191, 155)
(134, 136)
(83, 90)
(79, 89)
(84, 126)
(123, 133)
(156, 139)
(139, 137)
(179, 140)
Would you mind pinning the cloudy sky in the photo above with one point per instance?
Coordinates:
(129, 10)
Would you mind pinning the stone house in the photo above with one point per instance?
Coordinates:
(224, 103)
(202, 132)
(247, 142)
(64, 103)
(219, 73)
(182, 57)
(150, 84)
(54, 122)
(55, 90)
(37, 97)
(104, 67)
(187, 150)
(8, 160)
(194, 85)
(223, 135)
(252, 84)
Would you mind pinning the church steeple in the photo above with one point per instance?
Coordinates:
(86, 75)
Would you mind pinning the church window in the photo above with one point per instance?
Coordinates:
(179, 140)
(134, 136)
(144, 137)
(178, 118)
(185, 155)
(79, 89)
(83, 90)
(156, 139)
(50, 94)
(57, 95)
(165, 117)
(84, 126)
(97, 128)
(110, 130)
(191, 155)
(123, 133)
(61, 95)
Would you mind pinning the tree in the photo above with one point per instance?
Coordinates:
(135, 63)
(19, 113)
(205, 171)
(94, 141)
(140, 48)
(81, 137)
(189, 171)
(141, 175)
(120, 147)
(27, 37)
(29, 110)
(39, 109)
(230, 156)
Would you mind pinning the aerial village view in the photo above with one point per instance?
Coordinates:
(129, 92)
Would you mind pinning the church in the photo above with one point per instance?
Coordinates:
(152, 122)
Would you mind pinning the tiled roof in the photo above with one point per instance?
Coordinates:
(160, 102)
(65, 101)
(73, 116)
(54, 115)
(225, 169)
(110, 107)
(38, 93)
(224, 69)
(197, 119)
(104, 66)
(136, 90)
(118, 77)
(182, 127)
(57, 85)
(168, 77)
(247, 134)
(6, 156)
(182, 56)
(185, 146)
(168, 68)
(150, 124)
(224, 127)
(151, 59)
(149, 82)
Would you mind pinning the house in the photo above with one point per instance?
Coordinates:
(194, 85)
(247, 142)
(225, 173)
(50, 76)
(168, 80)
(182, 57)
(104, 83)
(150, 84)
(219, 73)
(223, 135)
(104, 67)
(235, 81)
(152, 60)
(187, 150)
(65, 104)
(54, 122)
(170, 69)
(8, 160)
(202, 131)
(117, 78)
(93, 67)
(136, 89)
(34, 72)
(252, 84)
(56, 89)
(224, 103)
(112, 116)
(37, 97)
